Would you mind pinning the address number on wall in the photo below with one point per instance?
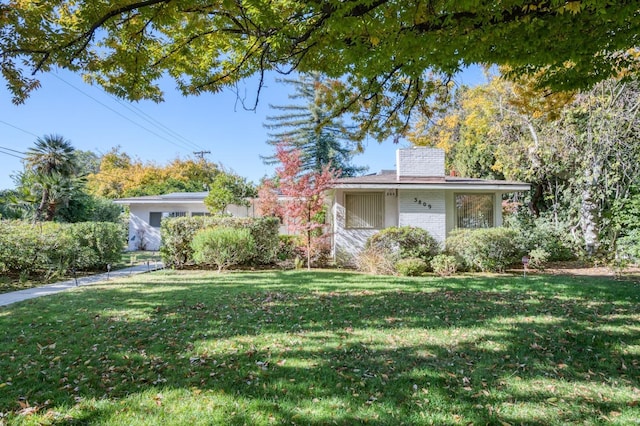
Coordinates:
(421, 203)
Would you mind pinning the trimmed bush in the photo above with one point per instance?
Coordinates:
(486, 250)
(177, 234)
(444, 265)
(44, 248)
(223, 247)
(411, 267)
(405, 242)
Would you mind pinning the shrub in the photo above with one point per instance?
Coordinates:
(405, 242)
(486, 250)
(541, 233)
(373, 260)
(444, 265)
(52, 248)
(411, 267)
(223, 246)
(628, 248)
(288, 248)
(538, 258)
(177, 234)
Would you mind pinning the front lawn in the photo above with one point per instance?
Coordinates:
(324, 347)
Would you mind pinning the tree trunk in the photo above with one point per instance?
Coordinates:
(43, 204)
(589, 213)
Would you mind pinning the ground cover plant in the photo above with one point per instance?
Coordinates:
(324, 347)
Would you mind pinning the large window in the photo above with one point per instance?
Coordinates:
(474, 210)
(364, 210)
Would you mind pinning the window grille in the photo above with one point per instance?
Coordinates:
(364, 210)
(474, 211)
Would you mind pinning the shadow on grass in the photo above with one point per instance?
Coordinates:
(324, 346)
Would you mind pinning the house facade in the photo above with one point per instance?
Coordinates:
(147, 213)
(416, 194)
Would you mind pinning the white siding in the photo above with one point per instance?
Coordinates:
(424, 209)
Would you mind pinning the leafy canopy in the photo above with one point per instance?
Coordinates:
(375, 47)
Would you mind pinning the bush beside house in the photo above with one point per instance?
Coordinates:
(178, 233)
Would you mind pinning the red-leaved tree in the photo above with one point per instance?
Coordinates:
(305, 196)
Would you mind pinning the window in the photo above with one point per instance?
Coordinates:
(364, 210)
(200, 214)
(474, 210)
(155, 218)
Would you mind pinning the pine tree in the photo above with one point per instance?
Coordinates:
(309, 127)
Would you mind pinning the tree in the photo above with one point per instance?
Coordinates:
(228, 188)
(121, 176)
(306, 196)
(376, 47)
(51, 163)
(309, 127)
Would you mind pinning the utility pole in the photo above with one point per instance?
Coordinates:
(200, 154)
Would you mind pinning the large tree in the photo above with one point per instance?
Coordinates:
(376, 47)
(51, 165)
(308, 125)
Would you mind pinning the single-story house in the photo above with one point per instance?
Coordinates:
(147, 212)
(417, 194)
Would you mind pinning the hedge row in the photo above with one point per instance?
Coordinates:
(42, 248)
(178, 233)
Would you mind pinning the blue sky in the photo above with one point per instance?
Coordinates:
(93, 120)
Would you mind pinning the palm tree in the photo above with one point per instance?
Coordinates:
(51, 160)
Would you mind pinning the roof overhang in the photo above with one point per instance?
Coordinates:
(476, 186)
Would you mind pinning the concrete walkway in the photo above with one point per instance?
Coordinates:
(30, 293)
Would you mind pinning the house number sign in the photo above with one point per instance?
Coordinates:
(421, 203)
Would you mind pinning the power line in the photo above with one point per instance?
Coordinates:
(18, 128)
(121, 115)
(200, 154)
(140, 113)
(17, 152)
(10, 154)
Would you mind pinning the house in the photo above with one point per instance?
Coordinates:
(147, 212)
(417, 194)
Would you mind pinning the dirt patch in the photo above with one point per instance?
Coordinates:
(580, 268)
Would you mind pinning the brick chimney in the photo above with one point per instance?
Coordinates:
(420, 161)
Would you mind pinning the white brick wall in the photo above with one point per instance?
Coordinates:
(420, 162)
(424, 209)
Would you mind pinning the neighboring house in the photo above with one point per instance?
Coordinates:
(147, 212)
(416, 194)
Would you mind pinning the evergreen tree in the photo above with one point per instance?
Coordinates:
(309, 127)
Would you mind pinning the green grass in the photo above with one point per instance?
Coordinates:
(324, 347)
(15, 282)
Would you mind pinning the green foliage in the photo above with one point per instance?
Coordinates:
(405, 242)
(223, 247)
(391, 57)
(486, 250)
(324, 140)
(44, 248)
(628, 248)
(411, 267)
(227, 189)
(288, 248)
(177, 234)
(444, 264)
(541, 233)
(538, 258)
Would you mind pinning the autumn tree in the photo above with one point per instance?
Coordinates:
(390, 55)
(305, 192)
(120, 176)
(308, 125)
